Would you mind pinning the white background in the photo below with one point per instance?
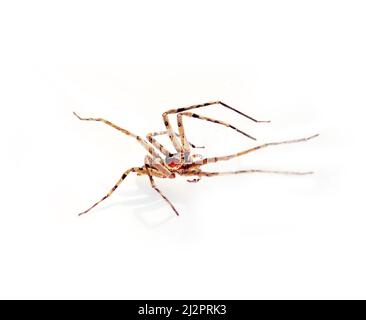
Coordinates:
(300, 64)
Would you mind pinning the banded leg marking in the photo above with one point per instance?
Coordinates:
(197, 116)
(136, 169)
(214, 174)
(159, 146)
(213, 103)
(239, 154)
(153, 185)
(148, 147)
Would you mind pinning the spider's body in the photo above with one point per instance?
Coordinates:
(174, 162)
(161, 163)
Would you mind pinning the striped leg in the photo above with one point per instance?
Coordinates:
(175, 140)
(113, 189)
(156, 144)
(224, 158)
(194, 115)
(209, 104)
(157, 167)
(186, 151)
(148, 147)
(153, 185)
(214, 174)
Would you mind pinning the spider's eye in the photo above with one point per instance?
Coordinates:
(172, 162)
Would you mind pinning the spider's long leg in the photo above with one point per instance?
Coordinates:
(214, 174)
(194, 115)
(172, 136)
(175, 140)
(224, 158)
(186, 150)
(148, 147)
(156, 144)
(159, 146)
(153, 185)
(209, 104)
(136, 169)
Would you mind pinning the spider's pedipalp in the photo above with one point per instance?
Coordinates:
(158, 166)
(196, 180)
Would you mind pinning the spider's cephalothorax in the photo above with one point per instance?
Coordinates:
(174, 161)
(160, 163)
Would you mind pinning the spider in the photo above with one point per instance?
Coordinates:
(161, 163)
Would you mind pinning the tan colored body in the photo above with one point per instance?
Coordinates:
(183, 162)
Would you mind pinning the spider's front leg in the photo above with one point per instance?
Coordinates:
(160, 147)
(183, 147)
(150, 170)
(139, 139)
(186, 150)
(135, 169)
(174, 139)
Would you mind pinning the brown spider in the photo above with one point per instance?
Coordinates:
(183, 161)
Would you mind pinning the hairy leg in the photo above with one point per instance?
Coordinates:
(167, 123)
(136, 169)
(148, 147)
(159, 146)
(197, 116)
(214, 174)
(209, 104)
(239, 154)
(153, 185)
(157, 167)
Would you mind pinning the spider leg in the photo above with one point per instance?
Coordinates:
(175, 140)
(214, 174)
(186, 150)
(209, 104)
(172, 136)
(158, 167)
(136, 169)
(148, 147)
(153, 185)
(194, 115)
(159, 146)
(224, 158)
